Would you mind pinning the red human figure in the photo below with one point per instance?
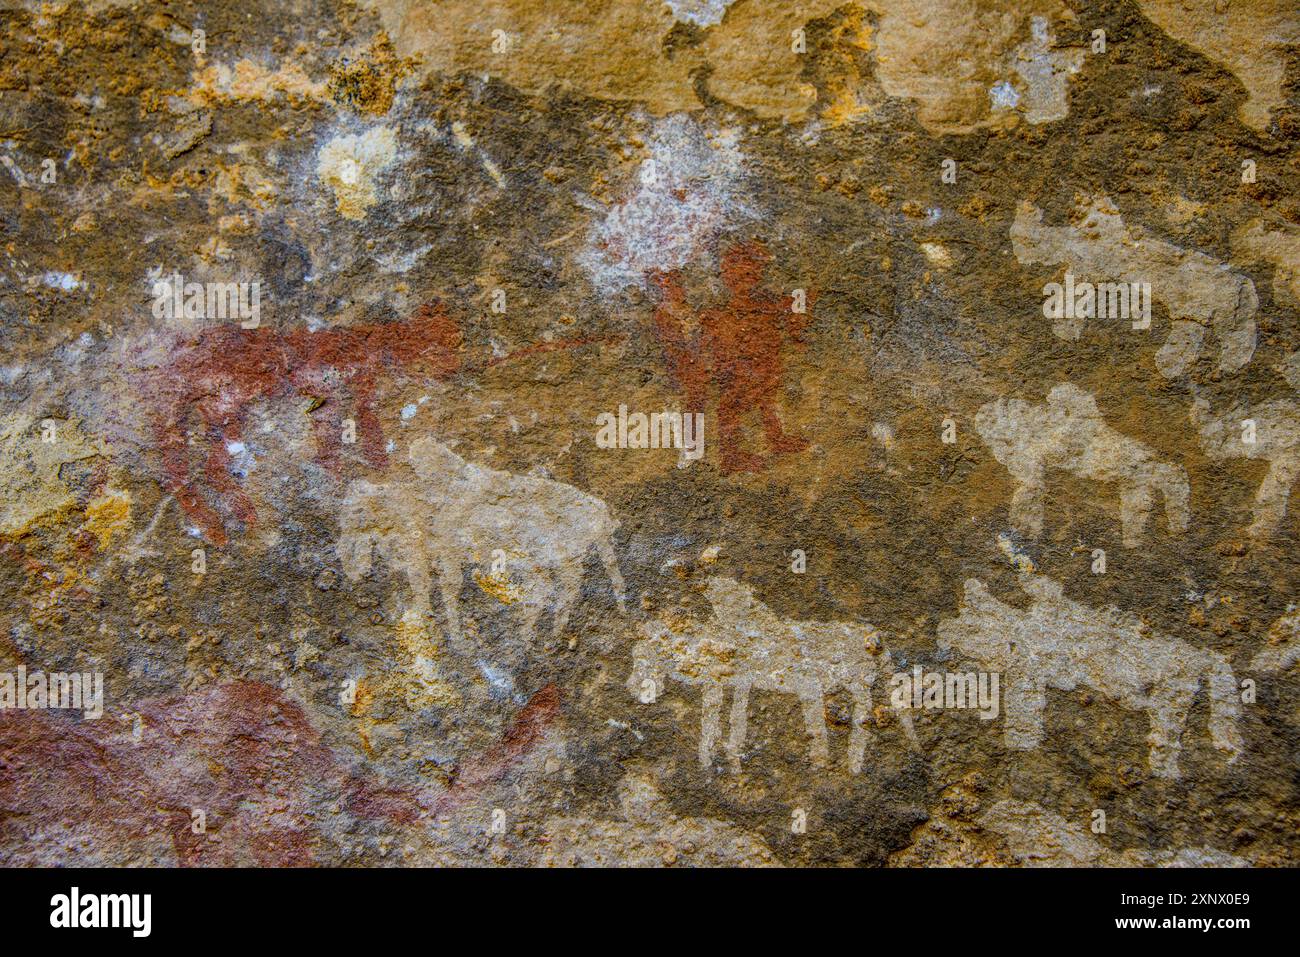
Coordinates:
(744, 341)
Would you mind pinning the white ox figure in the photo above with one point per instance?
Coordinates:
(1201, 293)
(1068, 432)
(746, 646)
(1059, 643)
(1268, 431)
(457, 513)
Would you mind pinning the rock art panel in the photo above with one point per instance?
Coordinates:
(1067, 432)
(1061, 643)
(344, 348)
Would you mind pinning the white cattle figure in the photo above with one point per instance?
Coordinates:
(456, 514)
(1200, 293)
(1067, 432)
(1060, 643)
(746, 646)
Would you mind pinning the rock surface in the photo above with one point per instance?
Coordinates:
(633, 433)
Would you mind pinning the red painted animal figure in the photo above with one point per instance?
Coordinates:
(736, 348)
(84, 792)
(221, 375)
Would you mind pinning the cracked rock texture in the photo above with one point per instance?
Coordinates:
(329, 331)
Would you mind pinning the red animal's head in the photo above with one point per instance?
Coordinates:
(428, 342)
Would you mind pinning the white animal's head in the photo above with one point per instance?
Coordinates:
(434, 461)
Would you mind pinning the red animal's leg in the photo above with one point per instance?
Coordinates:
(369, 429)
(171, 438)
(225, 427)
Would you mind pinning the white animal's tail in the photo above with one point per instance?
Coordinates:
(1225, 708)
(605, 546)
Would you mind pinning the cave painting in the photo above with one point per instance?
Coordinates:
(734, 352)
(1060, 643)
(1201, 293)
(746, 646)
(1067, 432)
(456, 513)
(221, 375)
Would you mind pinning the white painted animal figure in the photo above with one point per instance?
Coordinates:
(1200, 292)
(1068, 432)
(1060, 643)
(456, 514)
(545, 528)
(1268, 431)
(746, 646)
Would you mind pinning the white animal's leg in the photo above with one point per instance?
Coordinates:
(449, 581)
(610, 560)
(1025, 703)
(814, 719)
(568, 581)
(710, 721)
(1027, 500)
(1271, 499)
(739, 723)
(1165, 737)
(1225, 707)
(860, 734)
(1134, 507)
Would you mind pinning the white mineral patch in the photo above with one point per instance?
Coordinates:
(688, 192)
(350, 166)
(1045, 73)
(702, 13)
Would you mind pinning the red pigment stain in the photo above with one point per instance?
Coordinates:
(243, 753)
